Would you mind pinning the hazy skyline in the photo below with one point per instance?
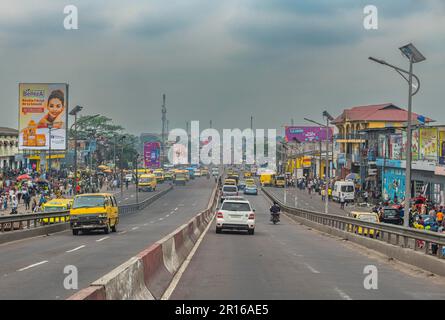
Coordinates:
(221, 60)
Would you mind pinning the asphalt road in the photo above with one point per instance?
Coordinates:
(34, 268)
(302, 199)
(289, 261)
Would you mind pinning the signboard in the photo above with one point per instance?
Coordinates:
(439, 170)
(395, 146)
(43, 106)
(307, 134)
(152, 154)
(428, 143)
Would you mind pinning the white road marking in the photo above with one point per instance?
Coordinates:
(176, 209)
(152, 222)
(312, 269)
(75, 249)
(134, 228)
(178, 275)
(342, 294)
(119, 201)
(172, 212)
(126, 199)
(122, 232)
(132, 196)
(160, 219)
(145, 224)
(167, 216)
(102, 239)
(33, 265)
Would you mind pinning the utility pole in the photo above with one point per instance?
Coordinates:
(164, 119)
(210, 124)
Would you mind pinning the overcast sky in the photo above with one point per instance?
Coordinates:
(221, 60)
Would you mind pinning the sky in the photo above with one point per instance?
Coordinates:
(224, 61)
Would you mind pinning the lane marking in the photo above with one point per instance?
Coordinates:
(152, 222)
(122, 232)
(160, 219)
(167, 294)
(132, 196)
(75, 249)
(126, 199)
(33, 265)
(134, 228)
(102, 239)
(311, 269)
(167, 216)
(145, 224)
(172, 212)
(176, 209)
(342, 294)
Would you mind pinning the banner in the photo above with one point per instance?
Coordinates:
(307, 134)
(428, 144)
(152, 154)
(395, 146)
(43, 108)
(442, 143)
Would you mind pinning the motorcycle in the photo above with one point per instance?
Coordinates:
(275, 217)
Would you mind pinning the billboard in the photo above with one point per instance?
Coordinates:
(428, 143)
(307, 134)
(43, 107)
(152, 154)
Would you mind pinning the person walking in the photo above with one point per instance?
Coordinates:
(27, 200)
(14, 205)
(342, 200)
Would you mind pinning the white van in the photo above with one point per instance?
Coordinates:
(345, 187)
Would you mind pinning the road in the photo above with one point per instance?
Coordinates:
(302, 199)
(34, 268)
(289, 261)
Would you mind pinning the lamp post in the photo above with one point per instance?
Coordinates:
(50, 126)
(137, 178)
(414, 56)
(74, 113)
(328, 118)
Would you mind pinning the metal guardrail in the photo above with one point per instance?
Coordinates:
(405, 237)
(34, 220)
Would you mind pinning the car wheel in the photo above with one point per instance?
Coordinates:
(75, 232)
(218, 230)
(107, 228)
(251, 231)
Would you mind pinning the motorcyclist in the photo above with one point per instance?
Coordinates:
(275, 209)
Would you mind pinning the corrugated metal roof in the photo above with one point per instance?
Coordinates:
(380, 112)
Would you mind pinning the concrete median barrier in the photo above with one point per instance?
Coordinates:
(34, 232)
(148, 274)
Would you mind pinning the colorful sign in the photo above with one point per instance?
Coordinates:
(428, 144)
(43, 108)
(152, 154)
(307, 134)
(442, 143)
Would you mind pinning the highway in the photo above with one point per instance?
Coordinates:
(290, 261)
(302, 199)
(33, 268)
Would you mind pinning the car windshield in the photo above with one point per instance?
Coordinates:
(229, 189)
(88, 202)
(145, 180)
(347, 189)
(367, 217)
(53, 209)
(280, 178)
(390, 212)
(236, 206)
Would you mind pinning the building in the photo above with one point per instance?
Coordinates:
(9, 148)
(352, 125)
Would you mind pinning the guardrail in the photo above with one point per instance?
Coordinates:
(429, 242)
(34, 220)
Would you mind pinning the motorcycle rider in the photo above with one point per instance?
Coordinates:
(275, 209)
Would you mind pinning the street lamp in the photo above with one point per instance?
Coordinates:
(50, 126)
(74, 113)
(328, 118)
(414, 56)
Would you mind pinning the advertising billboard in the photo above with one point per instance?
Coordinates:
(307, 134)
(152, 154)
(43, 108)
(428, 143)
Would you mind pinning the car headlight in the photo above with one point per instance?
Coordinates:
(102, 215)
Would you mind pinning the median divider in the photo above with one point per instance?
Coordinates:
(147, 275)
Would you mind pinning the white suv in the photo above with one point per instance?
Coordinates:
(235, 214)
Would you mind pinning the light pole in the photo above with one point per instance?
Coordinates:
(328, 118)
(414, 56)
(74, 113)
(50, 126)
(137, 179)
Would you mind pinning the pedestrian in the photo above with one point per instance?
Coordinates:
(342, 200)
(14, 205)
(365, 196)
(27, 200)
(323, 194)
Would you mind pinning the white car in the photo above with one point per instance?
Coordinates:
(197, 173)
(235, 214)
(129, 177)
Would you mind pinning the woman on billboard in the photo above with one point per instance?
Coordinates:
(56, 108)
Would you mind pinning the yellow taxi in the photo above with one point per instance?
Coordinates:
(57, 205)
(94, 211)
(159, 174)
(147, 182)
(247, 174)
(231, 182)
(280, 181)
(365, 216)
(250, 181)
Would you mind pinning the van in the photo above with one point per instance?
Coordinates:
(347, 188)
(94, 211)
(364, 216)
(280, 181)
(56, 205)
(147, 182)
